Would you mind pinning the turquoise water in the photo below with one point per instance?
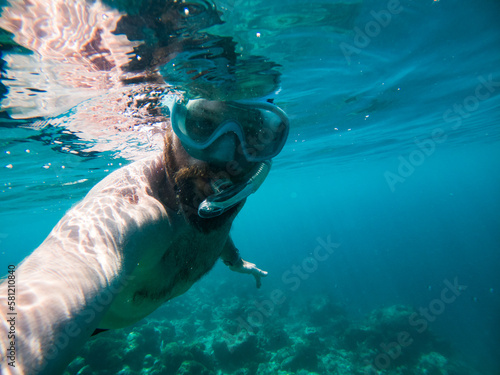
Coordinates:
(393, 155)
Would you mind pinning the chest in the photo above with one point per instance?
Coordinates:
(186, 258)
(185, 261)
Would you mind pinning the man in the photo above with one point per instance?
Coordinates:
(141, 236)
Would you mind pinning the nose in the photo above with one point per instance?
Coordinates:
(224, 148)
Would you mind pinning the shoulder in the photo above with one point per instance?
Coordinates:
(139, 176)
(120, 213)
(126, 200)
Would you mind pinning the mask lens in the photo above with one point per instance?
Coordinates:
(265, 136)
(200, 129)
(202, 120)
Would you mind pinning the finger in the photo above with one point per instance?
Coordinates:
(258, 281)
(259, 272)
(263, 273)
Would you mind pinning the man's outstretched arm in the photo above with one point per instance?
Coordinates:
(231, 258)
(59, 301)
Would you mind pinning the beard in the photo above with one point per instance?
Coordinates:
(192, 187)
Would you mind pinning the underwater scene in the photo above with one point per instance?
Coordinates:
(372, 247)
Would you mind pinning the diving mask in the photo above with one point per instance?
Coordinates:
(260, 127)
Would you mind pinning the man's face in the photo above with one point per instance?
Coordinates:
(193, 180)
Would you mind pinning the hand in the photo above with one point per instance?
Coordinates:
(250, 268)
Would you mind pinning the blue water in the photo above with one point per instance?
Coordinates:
(393, 154)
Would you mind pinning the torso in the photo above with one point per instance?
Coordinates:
(169, 257)
(185, 259)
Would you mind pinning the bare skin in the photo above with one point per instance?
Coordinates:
(132, 244)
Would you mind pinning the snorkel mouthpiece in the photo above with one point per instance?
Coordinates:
(228, 195)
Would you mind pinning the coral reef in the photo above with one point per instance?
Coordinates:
(306, 335)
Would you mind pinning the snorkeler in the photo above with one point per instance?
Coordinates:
(141, 236)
